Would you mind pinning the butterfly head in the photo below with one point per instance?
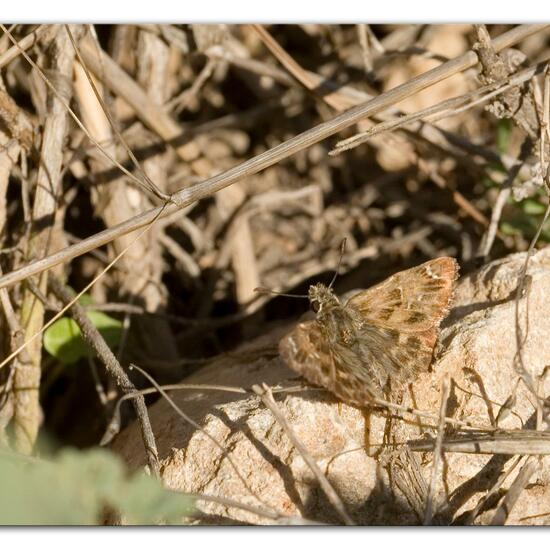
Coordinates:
(321, 298)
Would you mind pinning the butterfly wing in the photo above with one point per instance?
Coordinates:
(394, 325)
(312, 353)
(409, 305)
(412, 301)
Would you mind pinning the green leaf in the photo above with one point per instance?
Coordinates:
(145, 501)
(519, 223)
(76, 488)
(85, 300)
(532, 207)
(504, 130)
(64, 340)
(509, 229)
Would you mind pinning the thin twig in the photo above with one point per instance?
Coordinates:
(37, 334)
(503, 194)
(24, 44)
(365, 47)
(490, 90)
(15, 327)
(265, 394)
(305, 78)
(65, 104)
(490, 494)
(41, 234)
(254, 165)
(438, 452)
(500, 442)
(515, 490)
(147, 181)
(180, 102)
(423, 414)
(114, 425)
(281, 519)
(181, 255)
(93, 337)
(197, 426)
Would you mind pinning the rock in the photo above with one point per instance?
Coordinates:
(379, 483)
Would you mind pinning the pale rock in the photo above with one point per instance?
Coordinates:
(476, 351)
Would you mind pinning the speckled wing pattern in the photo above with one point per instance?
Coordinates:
(385, 332)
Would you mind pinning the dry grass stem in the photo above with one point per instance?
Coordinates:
(92, 335)
(501, 442)
(265, 394)
(188, 419)
(444, 109)
(437, 453)
(515, 490)
(254, 165)
(196, 160)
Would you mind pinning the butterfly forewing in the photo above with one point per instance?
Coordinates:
(413, 300)
(386, 332)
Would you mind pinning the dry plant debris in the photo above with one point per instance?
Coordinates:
(158, 174)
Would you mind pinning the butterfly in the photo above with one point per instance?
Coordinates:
(385, 333)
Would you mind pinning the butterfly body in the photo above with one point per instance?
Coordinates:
(342, 325)
(386, 332)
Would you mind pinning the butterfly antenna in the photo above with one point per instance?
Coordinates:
(263, 290)
(342, 249)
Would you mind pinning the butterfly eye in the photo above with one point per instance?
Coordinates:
(315, 306)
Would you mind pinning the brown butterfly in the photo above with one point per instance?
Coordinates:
(387, 332)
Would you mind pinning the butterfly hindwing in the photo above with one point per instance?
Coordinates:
(308, 351)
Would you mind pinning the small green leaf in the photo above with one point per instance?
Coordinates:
(518, 222)
(488, 183)
(532, 207)
(85, 300)
(64, 340)
(143, 501)
(509, 229)
(504, 130)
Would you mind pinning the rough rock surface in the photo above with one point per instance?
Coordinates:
(476, 351)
